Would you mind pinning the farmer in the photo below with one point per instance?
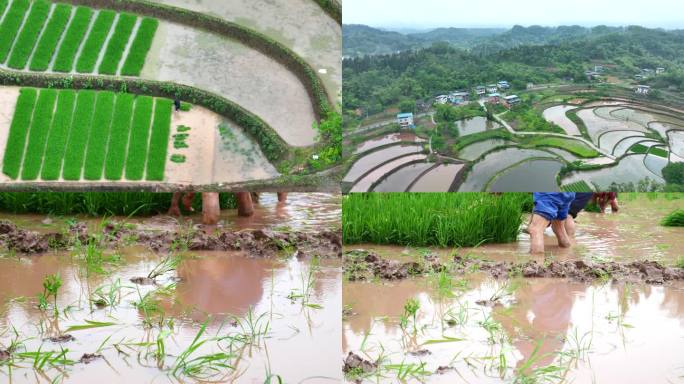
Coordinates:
(581, 201)
(550, 207)
(602, 199)
(174, 209)
(176, 104)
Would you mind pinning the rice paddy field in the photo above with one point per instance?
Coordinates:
(601, 142)
(482, 309)
(135, 295)
(110, 71)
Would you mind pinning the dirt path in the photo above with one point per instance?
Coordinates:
(8, 101)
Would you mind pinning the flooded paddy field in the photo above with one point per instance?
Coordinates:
(160, 300)
(595, 312)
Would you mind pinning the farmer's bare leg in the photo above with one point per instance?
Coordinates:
(187, 201)
(282, 197)
(245, 206)
(614, 207)
(174, 210)
(211, 208)
(569, 224)
(536, 228)
(558, 228)
(255, 197)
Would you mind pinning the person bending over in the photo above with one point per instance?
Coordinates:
(550, 207)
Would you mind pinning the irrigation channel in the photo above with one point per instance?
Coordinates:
(155, 299)
(444, 315)
(237, 125)
(617, 141)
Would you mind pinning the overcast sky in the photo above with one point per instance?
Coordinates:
(505, 13)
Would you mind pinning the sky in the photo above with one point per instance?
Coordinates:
(425, 14)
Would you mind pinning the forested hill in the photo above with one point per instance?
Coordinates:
(374, 82)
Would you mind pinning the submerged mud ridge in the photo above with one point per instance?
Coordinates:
(256, 243)
(367, 265)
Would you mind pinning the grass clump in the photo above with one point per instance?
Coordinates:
(29, 34)
(139, 47)
(50, 38)
(75, 33)
(10, 26)
(99, 132)
(674, 219)
(40, 126)
(117, 44)
(78, 136)
(159, 140)
(118, 136)
(176, 158)
(642, 149)
(16, 140)
(137, 145)
(93, 44)
(457, 219)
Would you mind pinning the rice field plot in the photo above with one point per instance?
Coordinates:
(59, 135)
(43, 36)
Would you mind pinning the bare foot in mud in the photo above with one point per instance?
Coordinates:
(174, 211)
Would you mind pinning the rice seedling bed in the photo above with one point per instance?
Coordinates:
(35, 33)
(578, 186)
(87, 135)
(460, 219)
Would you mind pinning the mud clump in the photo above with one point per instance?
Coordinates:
(61, 339)
(443, 369)
(356, 363)
(143, 281)
(88, 358)
(420, 352)
(365, 265)
(4, 355)
(256, 243)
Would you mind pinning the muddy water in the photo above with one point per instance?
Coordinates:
(609, 140)
(655, 164)
(557, 116)
(677, 142)
(529, 176)
(595, 333)
(222, 287)
(302, 211)
(401, 179)
(439, 179)
(376, 158)
(624, 145)
(387, 139)
(473, 151)
(596, 124)
(475, 125)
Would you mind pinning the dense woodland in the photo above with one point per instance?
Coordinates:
(521, 55)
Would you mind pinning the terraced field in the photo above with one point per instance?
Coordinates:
(42, 36)
(87, 135)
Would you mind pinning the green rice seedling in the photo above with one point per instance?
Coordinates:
(456, 219)
(118, 136)
(94, 42)
(47, 45)
(10, 26)
(23, 112)
(51, 285)
(176, 158)
(159, 140)
(680, 262)
(75, 33)
(167, 264)
(29, 34)
(44, 359)
(40, 126)
(99, 131)
(201, 367)
(410, 312)
(78, 135)
(3, 5)
(674, 219)
(183, 128)
(107, 296)
(117, 44)
(139, 47)
(137, 145)
(90, 324)
(409, 371)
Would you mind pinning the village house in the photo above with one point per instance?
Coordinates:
(530, 85)
(511, 100)
(660, 70)
(642, 89)
(481, 90)
(638, 77)
(442, 99)
(492, 88)
(598, 68)
(405, 120)
(494, 98)
(592, 75)
(503, 84)
(646, 72)
(458, 97)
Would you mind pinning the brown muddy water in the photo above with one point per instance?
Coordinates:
(301, 211)
(538, 330)
(271, 316)
(632, 234)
